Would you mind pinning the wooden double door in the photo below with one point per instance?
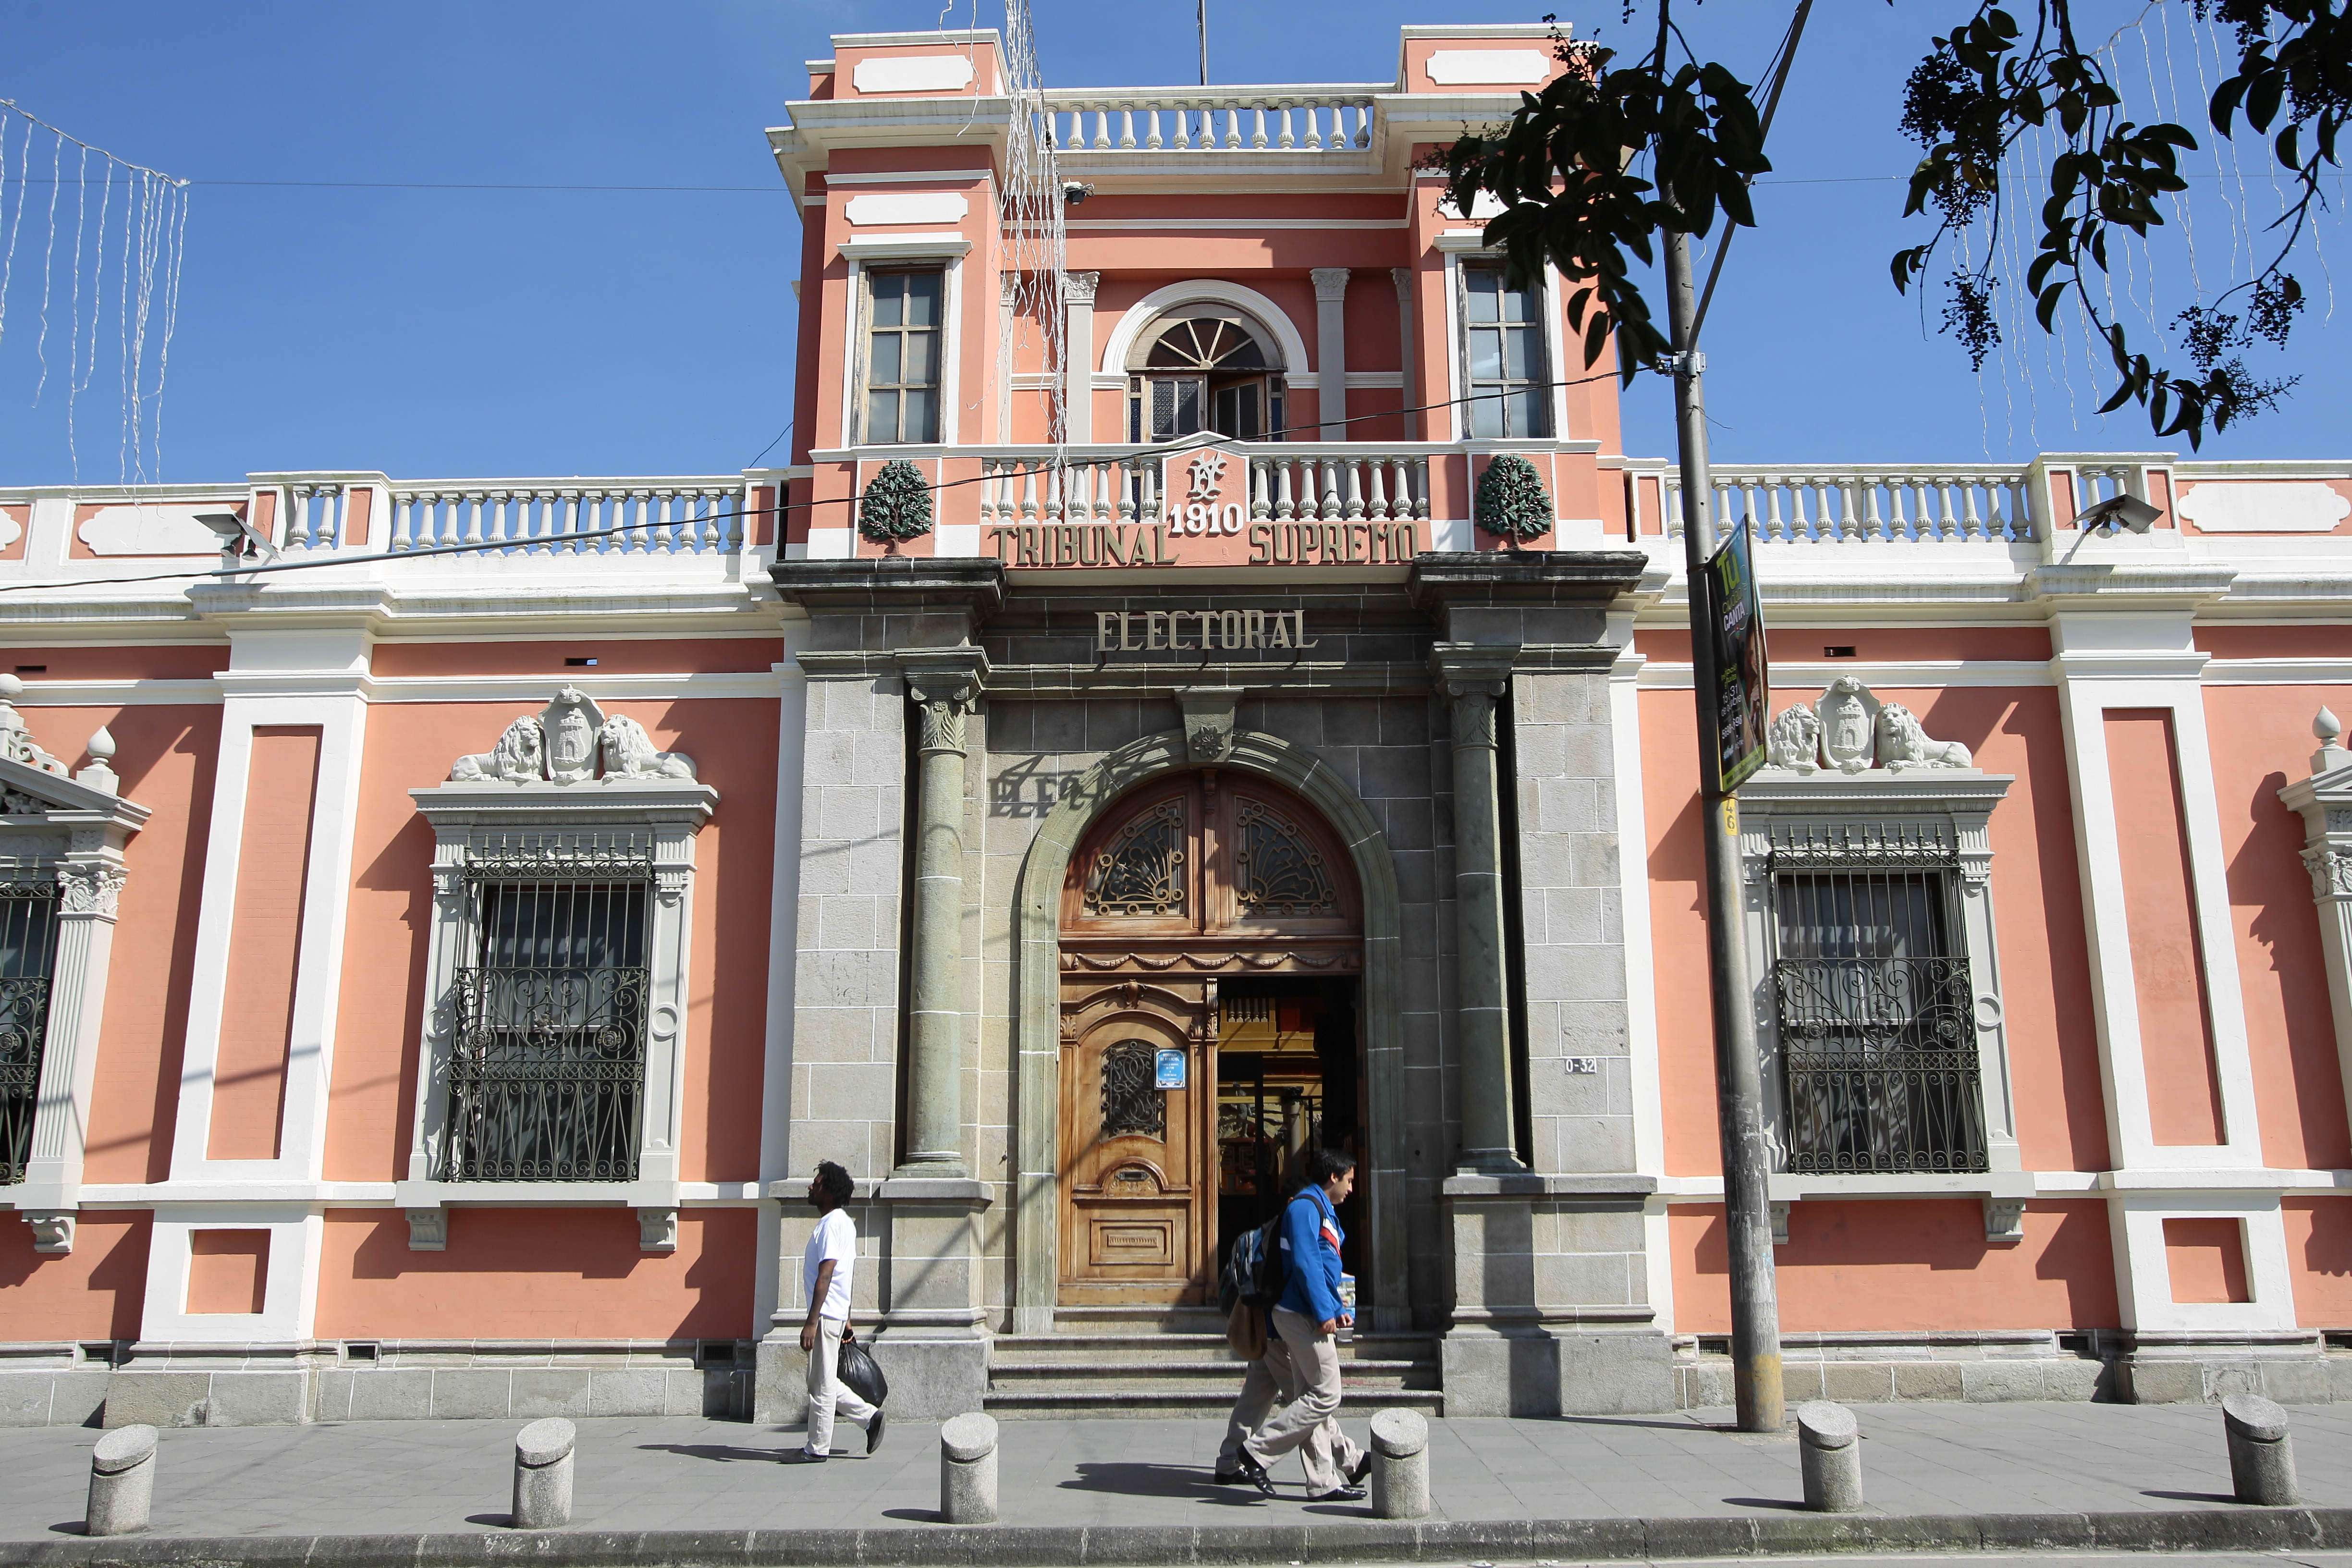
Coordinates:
(1184, 888)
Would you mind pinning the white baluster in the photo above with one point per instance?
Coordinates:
(1670, 493)
(1329, 511)
(1313, 129)
(1420, 490)
(1028, 490)
(1376, 500)
(1285, 506)
(1150, 492)
(1363, 125)
(1775, 526)
(1972, 526)
(1152, 140)
(1102, 128)
(1233, 127)
(1355, 489)
(1286, 139)
(473, 533)
(1399, 489)
(1183, 129)
(1126, 127)
(1257, 125)
(298, 517)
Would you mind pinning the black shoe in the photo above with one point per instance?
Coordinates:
(1360, 1468)
(810, 1457)
(1231, 1478)
(1337, 1494)
(874, 1430)
(1255, 1473)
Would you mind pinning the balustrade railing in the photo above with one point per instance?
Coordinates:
(641, 517)
(1930, 503)
(316, 515)
(1309, 484)
(1258, 120)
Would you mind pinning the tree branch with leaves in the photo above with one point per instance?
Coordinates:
(1612, 154)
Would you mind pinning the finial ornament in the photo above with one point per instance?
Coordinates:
(2330, 755)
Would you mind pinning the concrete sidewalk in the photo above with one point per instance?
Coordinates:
(676, 1474)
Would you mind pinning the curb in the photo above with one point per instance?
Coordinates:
(1152, 1546)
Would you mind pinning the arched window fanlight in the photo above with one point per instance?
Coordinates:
(1205, 367)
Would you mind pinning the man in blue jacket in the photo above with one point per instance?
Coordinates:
(1308, 1317)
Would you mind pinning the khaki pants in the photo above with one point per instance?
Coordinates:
(827, 1393)
(1310, 1421)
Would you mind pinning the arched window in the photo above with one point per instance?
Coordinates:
(1204, 367)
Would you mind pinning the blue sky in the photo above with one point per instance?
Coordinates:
(358, 321)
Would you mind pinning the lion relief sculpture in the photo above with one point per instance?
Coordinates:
(520, 757)
(1902, 743)
(1848, 731)
(629, 752)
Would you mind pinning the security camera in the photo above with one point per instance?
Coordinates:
(2118, 511)
(1075, 191)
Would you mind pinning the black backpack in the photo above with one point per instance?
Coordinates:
(1253, 1269)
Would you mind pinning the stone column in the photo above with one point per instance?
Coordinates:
(942, 687)
(1475, 680)
(1331, 351)
(1408, 399)
(1079, 355)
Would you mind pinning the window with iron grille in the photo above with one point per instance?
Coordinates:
(28, 948)
(1878, 1050)
(1503, 354)
(547, 1076)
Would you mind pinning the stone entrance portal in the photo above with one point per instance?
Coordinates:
(1211, 932)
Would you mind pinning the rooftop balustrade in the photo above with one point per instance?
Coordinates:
(1245, 119)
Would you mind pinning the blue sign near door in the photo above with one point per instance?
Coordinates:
(1169, 1068)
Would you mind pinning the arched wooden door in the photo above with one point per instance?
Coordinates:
(1186, 884)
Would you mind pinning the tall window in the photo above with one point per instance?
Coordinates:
(28, 945)
(1503, 351)
(1877, 1028)
(547, 1079)
(902, 356)
(1205, 372)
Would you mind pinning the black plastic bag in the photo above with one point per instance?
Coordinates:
(859, 1374)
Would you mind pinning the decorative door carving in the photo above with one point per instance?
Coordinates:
(1188, 881)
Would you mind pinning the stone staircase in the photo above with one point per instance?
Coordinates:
(1138, 1362)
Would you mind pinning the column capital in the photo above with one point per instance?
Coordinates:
(943, 685)
(1467, 669)
(1330, 282)
(1079, 287)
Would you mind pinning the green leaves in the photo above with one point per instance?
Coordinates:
(1563, 170)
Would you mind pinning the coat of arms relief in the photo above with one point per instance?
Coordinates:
(1849, 731)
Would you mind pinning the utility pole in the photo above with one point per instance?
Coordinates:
(1201, 13)
(1739, 1087)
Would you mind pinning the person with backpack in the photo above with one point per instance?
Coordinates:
(825, 1274)
(1307, 1317)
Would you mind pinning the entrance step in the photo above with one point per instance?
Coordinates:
(1129, 1371)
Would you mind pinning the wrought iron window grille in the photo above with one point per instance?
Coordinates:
(28, 944)
(1132, 1102)
(1880, 1069)
(548, 1072)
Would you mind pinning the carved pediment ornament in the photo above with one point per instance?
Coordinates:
(572, 741)
(1849, 731)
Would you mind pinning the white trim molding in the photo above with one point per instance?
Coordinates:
(1856, 785)
(564, 791)
(64, 836)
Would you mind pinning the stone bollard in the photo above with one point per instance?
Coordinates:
(2262, 1460)
(1400, 1464)
(1829, 1452)
(968, 1470)
(542, 1476)
(121, 1481)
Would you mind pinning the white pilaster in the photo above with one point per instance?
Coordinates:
(1079, 355)
(2325, 801)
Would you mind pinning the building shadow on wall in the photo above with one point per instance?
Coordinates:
(557, 1242)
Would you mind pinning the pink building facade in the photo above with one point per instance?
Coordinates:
(427, 974)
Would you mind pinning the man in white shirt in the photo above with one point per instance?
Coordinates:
(825, 1271)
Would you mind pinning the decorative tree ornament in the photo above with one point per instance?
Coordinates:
(897, 504)
(1512, 503)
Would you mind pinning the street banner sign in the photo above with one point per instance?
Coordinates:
(1745, 686)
